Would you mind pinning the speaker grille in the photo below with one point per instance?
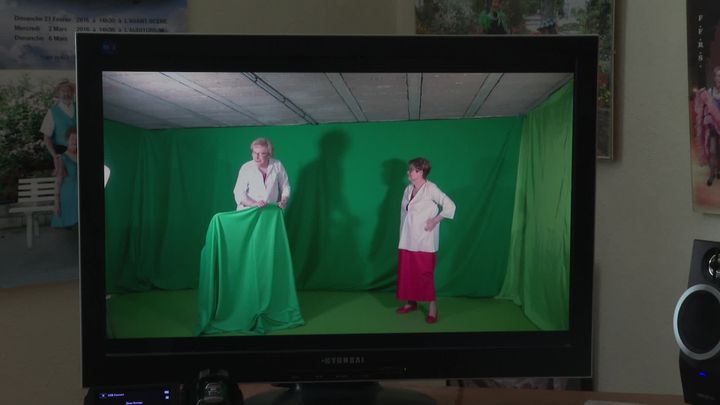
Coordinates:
(697, 322)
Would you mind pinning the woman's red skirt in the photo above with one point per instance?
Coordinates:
(416, 276)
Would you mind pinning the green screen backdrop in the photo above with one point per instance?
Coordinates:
(538, 276)
(509, 177)
(343, 218)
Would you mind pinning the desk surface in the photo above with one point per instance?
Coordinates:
(492, 396)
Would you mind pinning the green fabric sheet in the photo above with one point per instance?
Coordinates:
(246, 274)
(538, 270)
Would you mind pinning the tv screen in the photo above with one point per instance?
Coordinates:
(308, 208)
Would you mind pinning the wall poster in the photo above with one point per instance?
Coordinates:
(703, 25)
(38, 178)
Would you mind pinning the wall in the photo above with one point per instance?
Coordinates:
(40, 345)
(645, 222)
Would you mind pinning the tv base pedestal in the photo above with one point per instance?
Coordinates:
(212, 387)
(365, 393)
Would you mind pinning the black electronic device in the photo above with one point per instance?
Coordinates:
(697, 326)
(168, 394)
(143, 119)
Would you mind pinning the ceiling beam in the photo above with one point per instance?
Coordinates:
(342, 89)
(483, 93)
(178, 77)
(280, 97)
(414, 95)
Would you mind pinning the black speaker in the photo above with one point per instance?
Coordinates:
(696, 324)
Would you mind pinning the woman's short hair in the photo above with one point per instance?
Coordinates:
(64, 83)
(263, 142)
(421, 164)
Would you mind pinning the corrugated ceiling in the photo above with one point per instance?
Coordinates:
(160, 100)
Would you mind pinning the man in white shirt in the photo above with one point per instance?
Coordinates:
(263, 180)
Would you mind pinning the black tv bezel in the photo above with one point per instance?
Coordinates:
(334, 357)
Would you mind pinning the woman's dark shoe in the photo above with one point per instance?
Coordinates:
(406, 308)
(431, 319)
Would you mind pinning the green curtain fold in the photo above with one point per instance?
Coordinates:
(538, 269)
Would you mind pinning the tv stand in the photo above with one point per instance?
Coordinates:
(355, 393)
(212, 387)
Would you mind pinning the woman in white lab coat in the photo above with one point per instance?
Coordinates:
(424, 205)
(263, 180)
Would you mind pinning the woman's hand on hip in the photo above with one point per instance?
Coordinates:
(431, 223)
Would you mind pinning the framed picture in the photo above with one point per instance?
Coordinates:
(38, 175)
(534, 17)
(703, 25)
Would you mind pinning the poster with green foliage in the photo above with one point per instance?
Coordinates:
(38, 138)
(534, 17)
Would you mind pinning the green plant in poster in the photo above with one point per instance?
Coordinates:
(593, 20)
(23, 104)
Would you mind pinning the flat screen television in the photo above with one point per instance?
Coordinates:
(186, 266)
